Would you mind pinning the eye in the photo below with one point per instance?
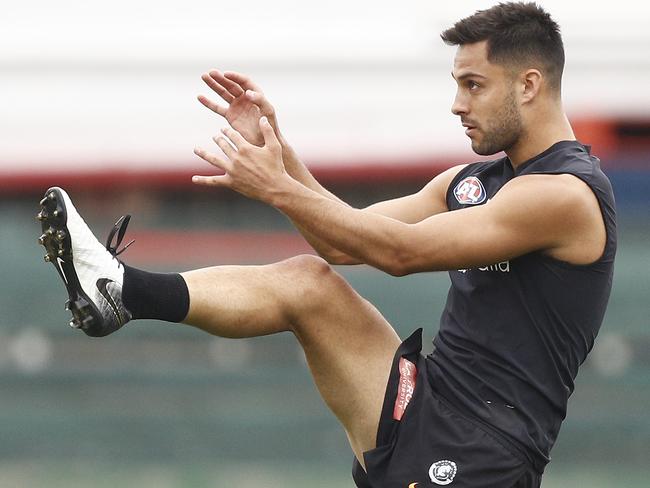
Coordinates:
(472, 85)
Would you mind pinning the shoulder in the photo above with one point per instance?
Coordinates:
(437, 187)
(448, 178)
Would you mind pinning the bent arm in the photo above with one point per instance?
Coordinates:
(299, 172)
(246, 103)
(556, 214)
(430, 200)
(530, 213)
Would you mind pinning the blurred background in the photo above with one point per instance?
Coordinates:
(99, 98)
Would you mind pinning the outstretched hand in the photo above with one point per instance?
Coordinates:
(246, 104)
(255, 172)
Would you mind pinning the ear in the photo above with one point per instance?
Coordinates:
(532, 85)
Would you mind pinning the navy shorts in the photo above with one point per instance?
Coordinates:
(423, 441)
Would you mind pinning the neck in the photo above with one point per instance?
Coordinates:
(555, 127)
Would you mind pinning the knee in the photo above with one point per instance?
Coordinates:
(308, 262)
(314, 282)
(309, 271)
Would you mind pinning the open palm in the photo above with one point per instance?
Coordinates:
(244, 109)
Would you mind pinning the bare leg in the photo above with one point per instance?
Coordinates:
(348, 344)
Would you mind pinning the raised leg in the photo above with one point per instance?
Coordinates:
(348, 344)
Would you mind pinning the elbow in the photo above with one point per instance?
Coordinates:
(400, 263)
(336, 258)
(397, 271)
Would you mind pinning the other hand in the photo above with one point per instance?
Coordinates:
(246, 104)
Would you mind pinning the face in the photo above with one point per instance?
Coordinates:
(486, 101)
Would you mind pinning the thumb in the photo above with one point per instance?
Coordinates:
(270, 140)
(261, 101)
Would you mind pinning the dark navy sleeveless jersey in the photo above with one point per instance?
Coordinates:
(513, 334)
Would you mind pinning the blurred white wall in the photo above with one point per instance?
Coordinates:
(86, 84)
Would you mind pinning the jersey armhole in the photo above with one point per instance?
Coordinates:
(608, 238)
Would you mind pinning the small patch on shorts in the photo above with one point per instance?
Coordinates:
(443, 472)
(407, 377)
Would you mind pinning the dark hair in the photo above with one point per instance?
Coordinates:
(517, 34)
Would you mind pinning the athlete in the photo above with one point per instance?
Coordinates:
(528, 240)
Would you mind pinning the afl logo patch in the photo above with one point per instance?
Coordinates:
(443, 472)
(470, 191)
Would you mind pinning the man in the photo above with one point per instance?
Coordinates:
(530, 258)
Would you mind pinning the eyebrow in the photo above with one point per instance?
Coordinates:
(467, 75)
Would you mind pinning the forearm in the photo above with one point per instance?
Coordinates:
(299, 172)
(327, 252)
(260, 173)
(363, 236)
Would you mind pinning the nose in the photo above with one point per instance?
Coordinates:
(459, 107)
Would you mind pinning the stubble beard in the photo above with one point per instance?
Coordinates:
(504, 133)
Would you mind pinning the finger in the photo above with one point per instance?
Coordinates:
(212, 159)
(215, 107)
(221, 180)
(233, 88)
(243, 80)
(260, 100)
(270, 140)
(226, 147)
(234, 136)
(217, 88)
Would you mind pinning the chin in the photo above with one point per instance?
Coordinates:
(483, 150)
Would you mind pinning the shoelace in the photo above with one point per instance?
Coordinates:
(120, 229)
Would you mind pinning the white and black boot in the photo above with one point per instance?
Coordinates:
(91, 272)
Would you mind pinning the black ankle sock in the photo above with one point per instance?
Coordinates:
(162, 296)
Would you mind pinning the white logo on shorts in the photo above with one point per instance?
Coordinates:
(442, 472)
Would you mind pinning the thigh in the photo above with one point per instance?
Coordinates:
(349, 348)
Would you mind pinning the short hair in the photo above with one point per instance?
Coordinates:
(517, 34)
